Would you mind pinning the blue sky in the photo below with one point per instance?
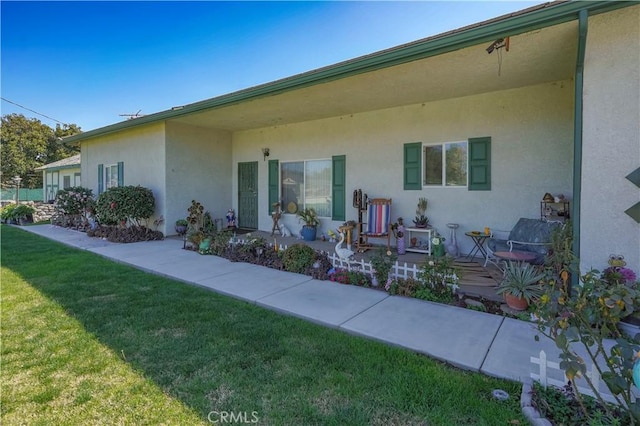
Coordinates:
(88, 62)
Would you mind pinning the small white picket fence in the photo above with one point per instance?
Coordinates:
(547, 368)
(398, 270)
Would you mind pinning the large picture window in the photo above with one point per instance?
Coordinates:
(306, 184)
(446, 164)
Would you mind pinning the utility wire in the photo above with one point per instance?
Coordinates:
(35, 112)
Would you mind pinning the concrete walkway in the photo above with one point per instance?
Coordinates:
(472, 340)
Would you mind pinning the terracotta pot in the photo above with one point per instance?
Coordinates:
(517, 303)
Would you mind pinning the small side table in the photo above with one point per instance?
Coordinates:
(346, 230)
(414, 245)
(513, 256)
(478, 239)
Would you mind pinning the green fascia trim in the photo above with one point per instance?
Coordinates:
(545, 15)
(56, 169)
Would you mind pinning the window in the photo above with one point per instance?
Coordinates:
(306, 184)
(66, 182)
(110, 176)
(446, 164)
(455, 164)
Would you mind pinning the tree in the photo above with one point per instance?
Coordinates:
(27, 143)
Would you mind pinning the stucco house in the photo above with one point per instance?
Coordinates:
(60, 174)
(482, 121)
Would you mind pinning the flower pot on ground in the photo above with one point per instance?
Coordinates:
(521, 281)
(310, 218)
(181, 226)
(23, 214)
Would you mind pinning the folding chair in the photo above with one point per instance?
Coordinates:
(378, 224)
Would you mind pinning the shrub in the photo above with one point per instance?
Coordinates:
(73, 205)
(132, 234)
(125, 204)
(588, 314)
(441, 278)
(298, 258)
(8, 212)
(74, 201)
(344, 276)
(382, 261)
(403, 287)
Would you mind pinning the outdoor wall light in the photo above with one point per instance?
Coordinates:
(265, 153)
(499, 43)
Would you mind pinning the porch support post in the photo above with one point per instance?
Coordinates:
(577, 135)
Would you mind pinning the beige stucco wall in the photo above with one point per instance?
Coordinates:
(198, 165)
(532, 148)
(143, 153)
(611, 138)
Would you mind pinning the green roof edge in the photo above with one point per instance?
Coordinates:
(537, 17)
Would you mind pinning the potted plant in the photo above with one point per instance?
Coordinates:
(23, 214)
(181, 226)
(421, 221)
(311, 222)
(520, 284)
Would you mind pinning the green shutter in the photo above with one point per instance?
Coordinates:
(100, 179)
(120, 173)
(338, 187)
(413, 166)
(274, 180)
(480, 164)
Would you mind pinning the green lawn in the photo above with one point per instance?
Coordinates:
(89, 341)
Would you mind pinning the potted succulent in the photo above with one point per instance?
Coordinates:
(181, 226)
(421, 221)
(520, 284)
(311, 222)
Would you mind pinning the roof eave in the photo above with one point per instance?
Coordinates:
(530, 19)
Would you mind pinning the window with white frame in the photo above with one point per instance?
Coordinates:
(306, 184)
(110, 176)
(445, 164)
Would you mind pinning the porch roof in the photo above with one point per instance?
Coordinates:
(543, 48)
(65, 163)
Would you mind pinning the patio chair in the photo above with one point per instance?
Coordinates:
(529, 235)
(378, 224)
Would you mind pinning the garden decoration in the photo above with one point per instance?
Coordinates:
(276, 214)
(343, 253)
(452, 247)
(616, 273)
(398, 231)
(231, 219)
(437, 244)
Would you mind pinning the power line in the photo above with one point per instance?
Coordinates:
(35, 112)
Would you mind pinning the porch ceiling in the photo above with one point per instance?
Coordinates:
(535, 57)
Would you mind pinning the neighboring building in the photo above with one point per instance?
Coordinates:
(60, 174)
(554, 108)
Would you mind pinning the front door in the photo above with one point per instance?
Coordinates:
(248, 195)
